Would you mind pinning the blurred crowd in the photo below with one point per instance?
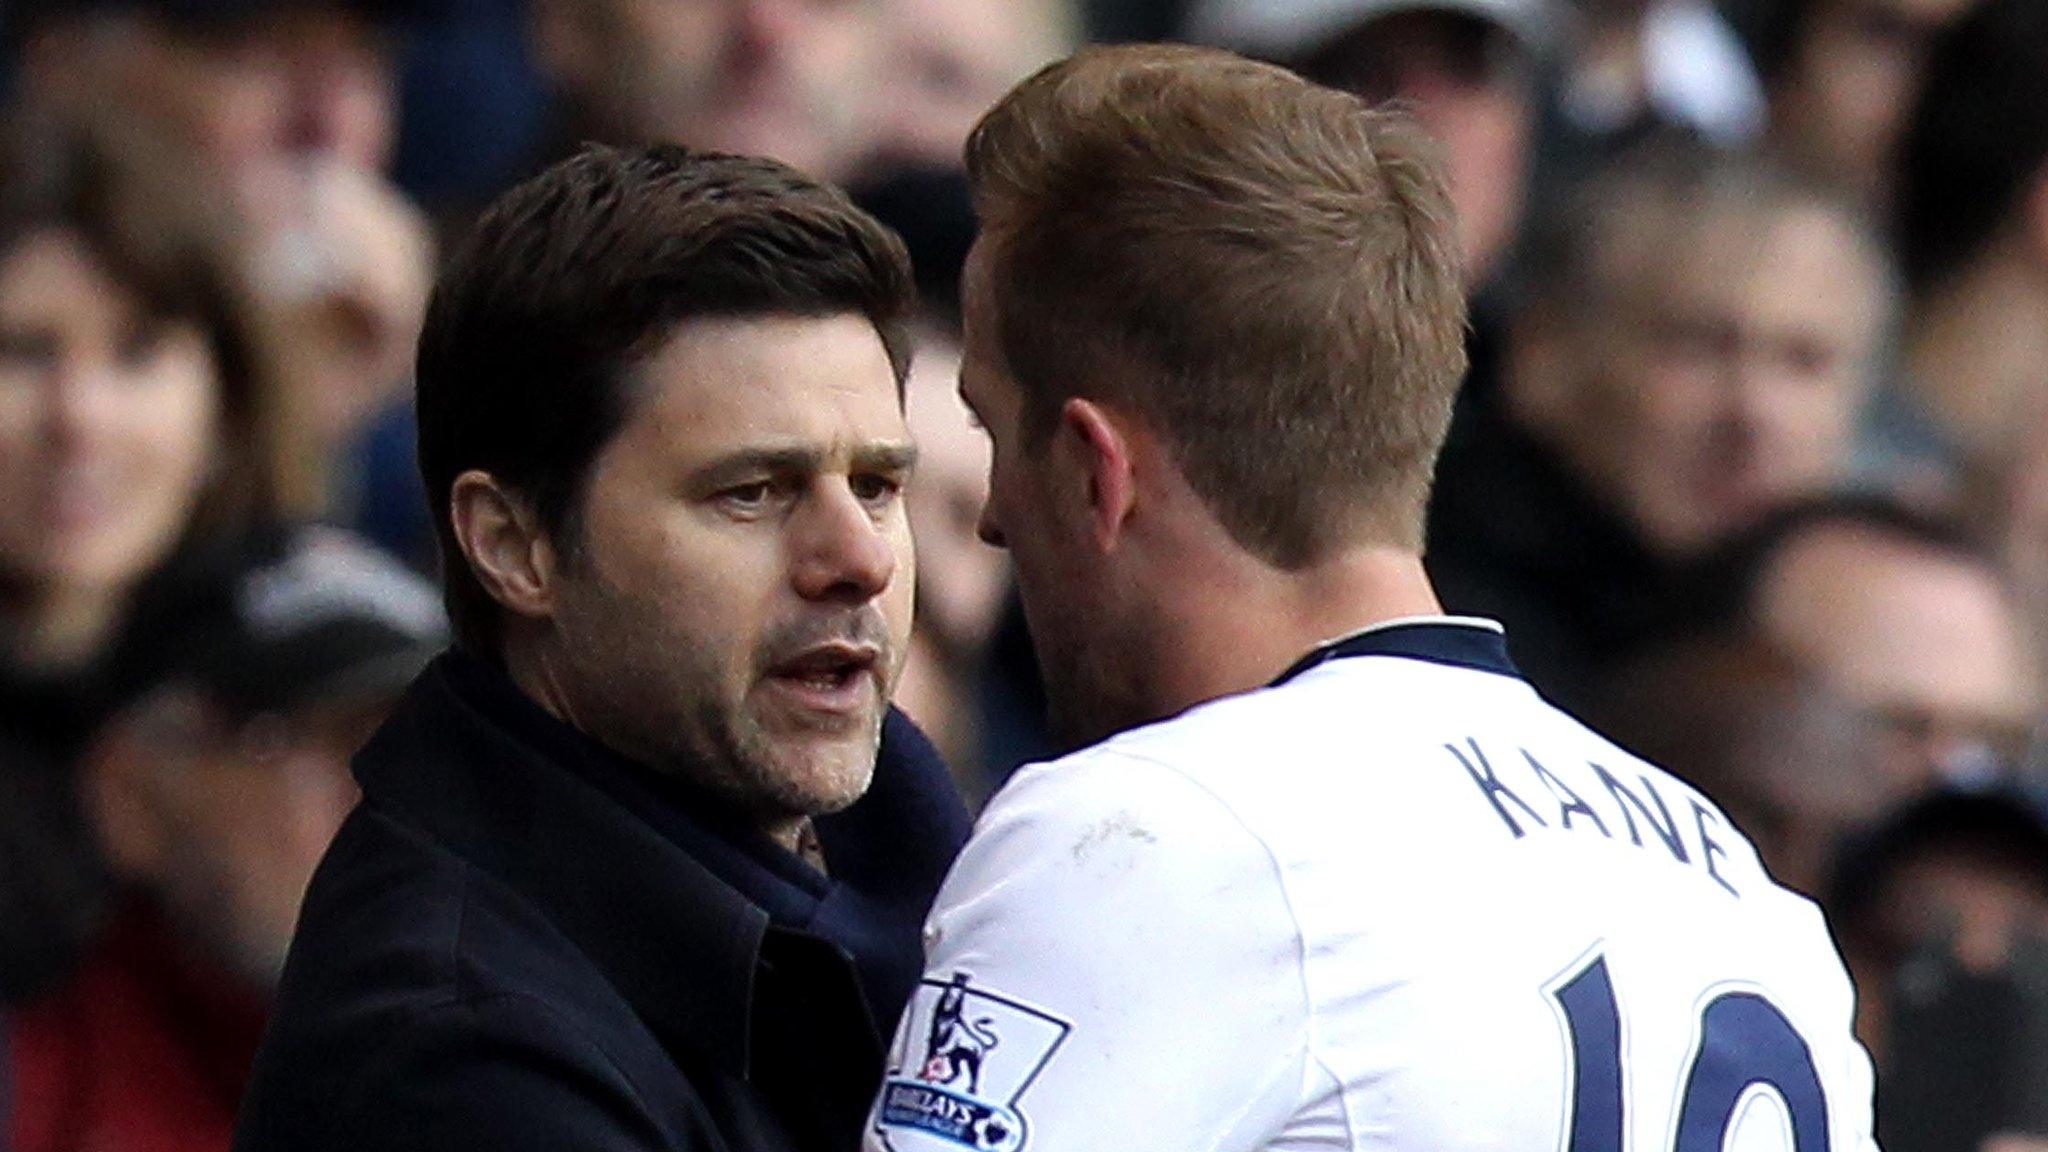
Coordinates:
(1752, 461)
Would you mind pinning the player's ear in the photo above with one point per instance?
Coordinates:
(504, 543)
(1101, 448)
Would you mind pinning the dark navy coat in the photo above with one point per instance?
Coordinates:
(521, 941)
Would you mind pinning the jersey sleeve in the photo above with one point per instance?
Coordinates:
(1111, 964)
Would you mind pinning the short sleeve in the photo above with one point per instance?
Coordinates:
(1111, 964)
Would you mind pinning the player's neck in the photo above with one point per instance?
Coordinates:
(1238, 626)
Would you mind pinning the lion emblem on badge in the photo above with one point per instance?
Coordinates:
(963, 1057)
(957, 1046)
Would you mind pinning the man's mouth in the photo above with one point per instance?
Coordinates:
(837, 677)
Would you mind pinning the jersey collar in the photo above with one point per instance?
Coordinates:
(1459, 641)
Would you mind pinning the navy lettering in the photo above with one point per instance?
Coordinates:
(1491, 787)
(1568, 801)
(1709, 848)
(1666, 829)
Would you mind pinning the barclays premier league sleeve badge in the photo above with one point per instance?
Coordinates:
(963, 1058)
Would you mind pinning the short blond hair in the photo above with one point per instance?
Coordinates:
(1264, 268)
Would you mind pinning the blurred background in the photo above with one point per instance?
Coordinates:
(1752, 462)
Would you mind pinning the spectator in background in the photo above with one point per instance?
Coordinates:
(1842, 77)
(1788, 760)
(796, 80)
(245, 86)
(1942, 915)
(1640, 67)
(950, 60)
(1973, 239)
(1691, 354)
(1469, 69)
(129, 423)
(963, 584)
(286, 110)
(252, 675)
(1903, 616)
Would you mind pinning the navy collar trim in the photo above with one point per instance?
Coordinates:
(1460, 642)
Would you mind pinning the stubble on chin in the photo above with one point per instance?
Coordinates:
(798, 774)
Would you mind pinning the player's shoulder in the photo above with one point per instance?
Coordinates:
(1105, 816)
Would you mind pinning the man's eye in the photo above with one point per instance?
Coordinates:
(746, 497)
(876, 488)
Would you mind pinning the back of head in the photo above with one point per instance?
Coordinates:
(1977, 140)
(1264, 270)
(569, 281)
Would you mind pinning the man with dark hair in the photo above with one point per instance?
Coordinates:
(1335, 876)
(619, 879)
(1905, 617)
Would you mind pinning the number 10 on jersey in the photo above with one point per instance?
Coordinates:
(1744, 1043)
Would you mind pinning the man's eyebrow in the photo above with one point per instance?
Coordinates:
(893, 456)
(750, 463)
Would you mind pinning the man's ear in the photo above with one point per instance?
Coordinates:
(504, 543)
(1101, 452)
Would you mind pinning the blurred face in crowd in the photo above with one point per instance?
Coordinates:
(1850, 80)
(961, 580)
(1472, 88)
(222, 817)
(108, 420)
(793, 80)
(1928, 642)
(950, 60)
(249, 95)
(1978, 897)
(738, 603)
(1722, 376)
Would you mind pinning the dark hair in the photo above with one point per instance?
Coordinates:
(1977, 137)
(574, 278)
(1263, 267)
(147, 230)
(1930, 530)
(1634, 217)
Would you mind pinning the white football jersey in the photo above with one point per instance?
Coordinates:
(1395, 901)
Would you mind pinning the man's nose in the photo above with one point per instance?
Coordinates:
(985, 526)
(842, 548)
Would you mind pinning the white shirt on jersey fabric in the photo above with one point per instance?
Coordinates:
(1395, 901)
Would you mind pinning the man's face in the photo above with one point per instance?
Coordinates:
(737, 604)
(1032, 512)
(224, 817)
(108, 420)
(789, 79)
(1928, 643)
(1726, 383)
(1852, 78)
